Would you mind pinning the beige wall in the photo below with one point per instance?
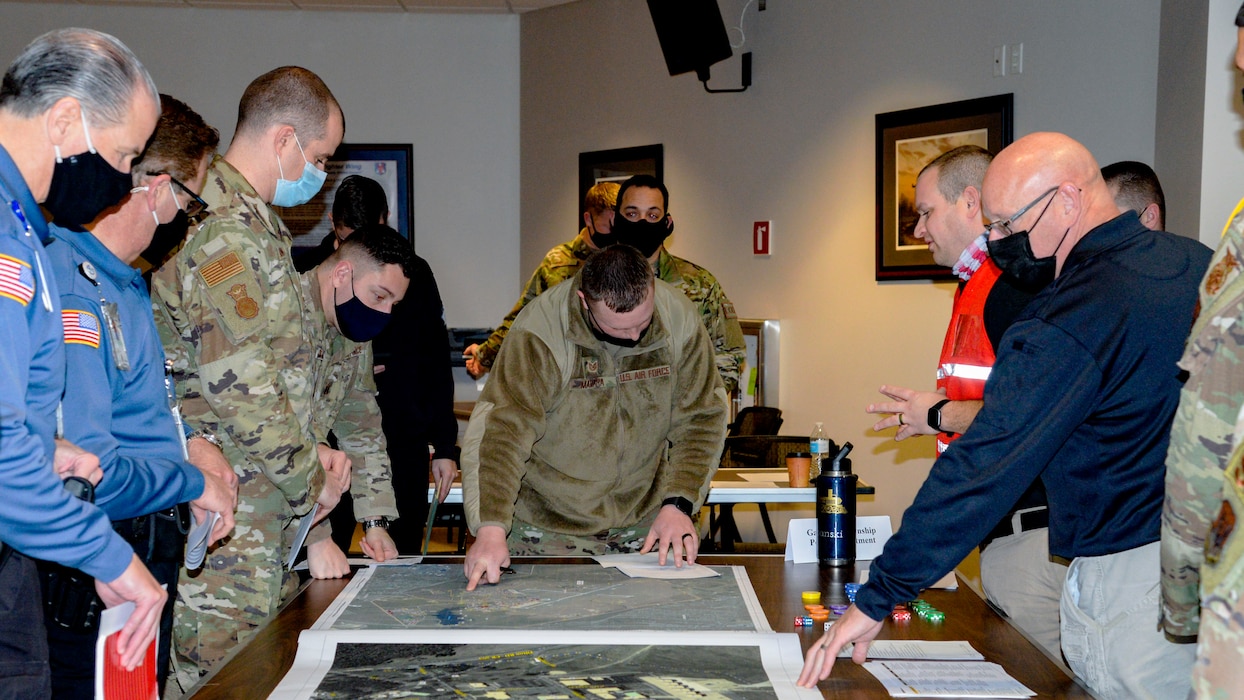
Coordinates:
(798, 148)
(448, 84)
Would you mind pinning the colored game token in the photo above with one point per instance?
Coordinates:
(838, 610)
(811, 597)
(901, 615)
(935, 616)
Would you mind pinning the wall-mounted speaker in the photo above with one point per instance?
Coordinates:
(692, 34)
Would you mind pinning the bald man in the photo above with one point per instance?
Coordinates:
(1102, 340)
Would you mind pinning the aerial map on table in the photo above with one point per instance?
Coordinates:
(536, 596)
(489, 664)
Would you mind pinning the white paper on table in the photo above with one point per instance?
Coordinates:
(772, 477)
(871, 534)
(646, 566)
(946, 679)
(918, 649)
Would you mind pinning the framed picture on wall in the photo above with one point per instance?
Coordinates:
(906, 141)
(388, 164)
(617, 165)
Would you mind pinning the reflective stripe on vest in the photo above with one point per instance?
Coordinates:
(963, 371)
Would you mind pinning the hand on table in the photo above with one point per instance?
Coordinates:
(672, 530)
(486, 556)
(853, 627)
(378, 544)
(326, 560)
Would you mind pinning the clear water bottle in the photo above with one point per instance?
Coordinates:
(818, 445)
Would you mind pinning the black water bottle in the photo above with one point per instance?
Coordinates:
(835, 511)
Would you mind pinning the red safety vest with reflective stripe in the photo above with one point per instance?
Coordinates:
(967, 355)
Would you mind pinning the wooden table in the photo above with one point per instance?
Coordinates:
(256, 668)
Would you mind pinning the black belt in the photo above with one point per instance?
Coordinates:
(1019, 521)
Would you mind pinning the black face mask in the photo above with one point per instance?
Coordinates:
(358, 321)
(166, 239)
(601, 240)
(83, 186)
(645, 235)
(1014, 256)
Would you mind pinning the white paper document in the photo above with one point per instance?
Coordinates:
(917, 649)
(646, 566)
(774, 476)
(304, 526)
(871, 534)
(196, 541)
(946, 679)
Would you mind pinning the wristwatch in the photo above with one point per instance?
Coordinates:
(680, 503)
(206, 436)
(935, 415)
(381, 522)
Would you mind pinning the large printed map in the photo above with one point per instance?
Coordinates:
(582, 597)
(484, 671)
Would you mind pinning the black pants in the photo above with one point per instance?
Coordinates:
(23, 646)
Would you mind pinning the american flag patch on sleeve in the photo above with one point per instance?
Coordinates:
(81, 327)
(17, 282)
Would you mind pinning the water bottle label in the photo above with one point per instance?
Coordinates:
(820, 447)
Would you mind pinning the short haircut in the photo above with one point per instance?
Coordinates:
(95, 68)
(645, 181)
(374, 245)
(958, 169)
(619, 275)
(1137, 185)
(359, 201)
(179, 143)
(287, 95)
(601, 197)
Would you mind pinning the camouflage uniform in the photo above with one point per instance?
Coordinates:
(229, 311)
(559, 264)
(720, 319)
(345, 403)
(1205, 441)
(715, 309)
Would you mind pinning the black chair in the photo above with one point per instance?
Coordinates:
(751, 421)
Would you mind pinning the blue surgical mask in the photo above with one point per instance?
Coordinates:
(291, 193)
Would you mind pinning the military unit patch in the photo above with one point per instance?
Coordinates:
(81, 327)
(17, 282)
(221, 269)
(243, 303)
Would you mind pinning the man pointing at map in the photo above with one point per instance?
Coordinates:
(601, 426)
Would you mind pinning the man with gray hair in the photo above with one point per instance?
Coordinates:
(76, 108)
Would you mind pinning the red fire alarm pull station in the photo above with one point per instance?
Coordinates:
(762, 237)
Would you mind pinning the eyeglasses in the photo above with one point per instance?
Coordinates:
(1004, 226)
(196, 208)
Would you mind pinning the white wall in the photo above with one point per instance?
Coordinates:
(448, 84)
(1222, 165)
(798, 148)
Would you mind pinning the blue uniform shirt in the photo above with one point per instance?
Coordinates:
(37, 516)
(1081, 396)
(123, 416)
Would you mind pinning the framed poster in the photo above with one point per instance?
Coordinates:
(906, 142)
(617, 165)
(388, 164)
